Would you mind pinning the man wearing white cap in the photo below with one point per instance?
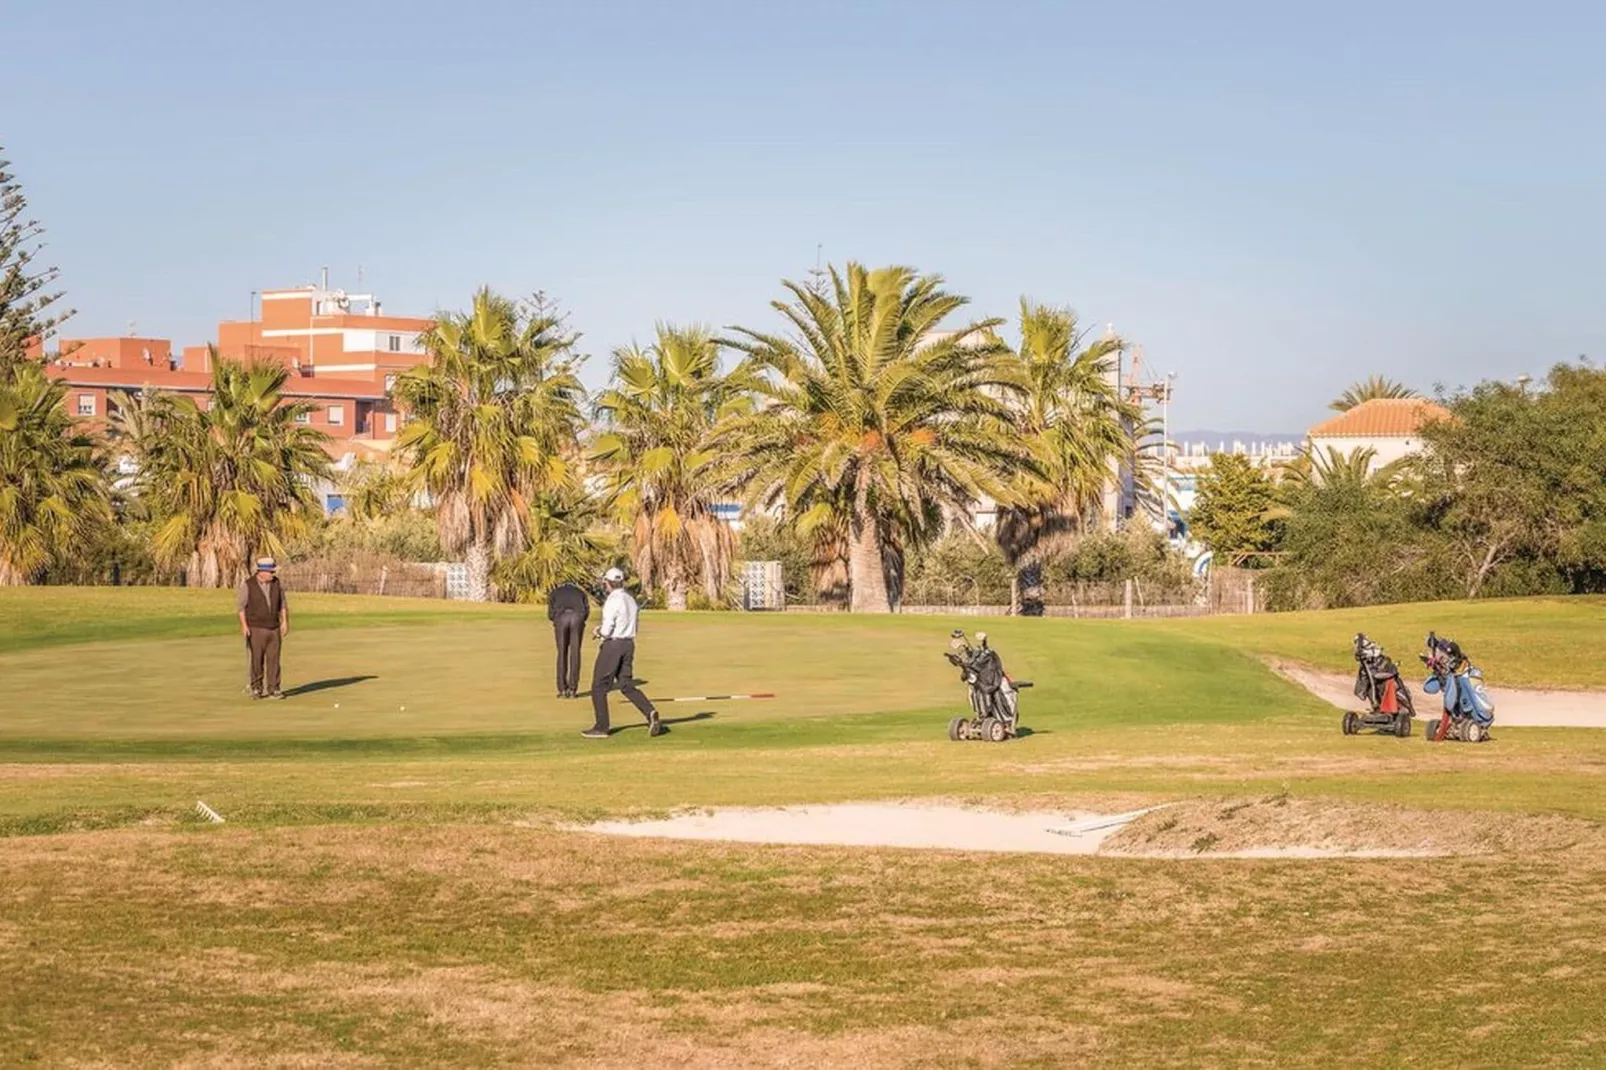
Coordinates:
(616, 657)
(265, 620)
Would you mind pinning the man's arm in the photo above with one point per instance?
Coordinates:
(240, 598)
(284, 614)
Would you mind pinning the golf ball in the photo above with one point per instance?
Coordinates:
(337, 705)
(404, 709)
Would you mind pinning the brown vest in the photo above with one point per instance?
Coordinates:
(262, 610)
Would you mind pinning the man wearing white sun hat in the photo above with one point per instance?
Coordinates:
(615, 664)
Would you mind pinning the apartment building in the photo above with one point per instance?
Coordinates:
(343, 352)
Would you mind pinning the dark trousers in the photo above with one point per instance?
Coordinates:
(568, 630)
(265, 660)
(616, 664)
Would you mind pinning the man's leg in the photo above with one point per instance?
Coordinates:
(256, 642)
(270, 660)
(560, 639)
(577, 635)
(627, 673)
(602, 677)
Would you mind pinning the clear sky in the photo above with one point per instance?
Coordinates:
(1273, 198)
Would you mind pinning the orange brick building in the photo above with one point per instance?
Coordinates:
(343, 354)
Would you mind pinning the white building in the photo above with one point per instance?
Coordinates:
(1389, 427)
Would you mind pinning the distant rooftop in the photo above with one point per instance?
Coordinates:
(1382, 418)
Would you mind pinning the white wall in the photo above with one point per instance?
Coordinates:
(1387, 450)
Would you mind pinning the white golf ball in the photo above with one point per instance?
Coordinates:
(337, 705)
(404, 709)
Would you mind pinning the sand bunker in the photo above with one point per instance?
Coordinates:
(955, 828)
(1513, 709)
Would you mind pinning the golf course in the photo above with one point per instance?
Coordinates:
(403, 873)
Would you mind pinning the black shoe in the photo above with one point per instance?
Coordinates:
(655, 726)
(595, 733)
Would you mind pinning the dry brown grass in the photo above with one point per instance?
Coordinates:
(482, 945)
(1221, 826)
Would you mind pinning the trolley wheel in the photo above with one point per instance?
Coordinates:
(1352, 722)
(956, 729)
(1402, 724)
(1473, 733)
(997, 731)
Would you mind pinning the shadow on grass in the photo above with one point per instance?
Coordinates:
(667, 721)
(326, 685)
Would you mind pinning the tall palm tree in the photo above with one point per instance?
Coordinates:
(870, 406)
(229, 481)
(657, 450)
(1080, 429)
(1371, 389)
(53, 490)
(492, 420)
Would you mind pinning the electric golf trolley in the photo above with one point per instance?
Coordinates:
(994, 697)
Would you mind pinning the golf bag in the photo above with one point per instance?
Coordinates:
(1377, 680)
(994, 697)
(1468, 708)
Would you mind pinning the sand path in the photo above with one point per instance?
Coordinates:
(1512, 709)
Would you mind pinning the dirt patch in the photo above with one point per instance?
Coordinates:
(1513, 709)
(1284, 827)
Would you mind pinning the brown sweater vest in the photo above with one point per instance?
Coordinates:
(262, 610)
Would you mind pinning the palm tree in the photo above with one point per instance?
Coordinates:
(658, 453)
(869, 406)
(492, 420)
(1081, 430)
(53, 489)
(1371, 389)
(373, 490)
(230, 481)
(567, 545)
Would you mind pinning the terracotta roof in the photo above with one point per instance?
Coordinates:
(1381, 418)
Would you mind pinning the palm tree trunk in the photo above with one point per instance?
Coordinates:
(675, 596)
(867, 573)
(10, 576)
(478, 559)
(1029, 581)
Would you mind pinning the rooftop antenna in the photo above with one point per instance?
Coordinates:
(817, 273)
(132, 329)
(325, 285)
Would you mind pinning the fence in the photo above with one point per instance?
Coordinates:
(366, 574)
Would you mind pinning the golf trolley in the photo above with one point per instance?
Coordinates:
(994, 697)
(1468, 708)
(1377, 680)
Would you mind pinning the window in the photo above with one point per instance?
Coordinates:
(390, 423)
(336, 414)
(303, 417)
(390, 383)
(86, 404)
(395, 343)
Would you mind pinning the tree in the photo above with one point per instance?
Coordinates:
(871, 408)
(1371, 389)
(373, 490)
(1514, 480)
(657, 449)
(1234, 512)
(1079, 428)
(25, 294)
(1352, 536)
(54, 496)
(492, 420)
(567, 544)
(230, 481)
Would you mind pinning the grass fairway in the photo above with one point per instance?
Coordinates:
(396, 884)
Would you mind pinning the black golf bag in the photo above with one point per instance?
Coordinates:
(994, 697)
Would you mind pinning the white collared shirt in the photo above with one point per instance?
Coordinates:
(619, 615)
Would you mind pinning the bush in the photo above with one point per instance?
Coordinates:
(956, 570)
(407, 535)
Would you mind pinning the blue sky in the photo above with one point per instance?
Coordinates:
(1274, 199)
